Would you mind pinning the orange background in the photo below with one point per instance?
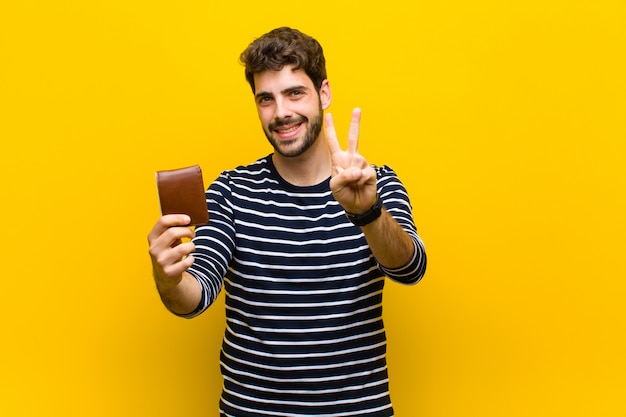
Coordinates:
(506, 121)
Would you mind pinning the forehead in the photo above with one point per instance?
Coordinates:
(276, 81)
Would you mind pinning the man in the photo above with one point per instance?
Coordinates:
(301, 240)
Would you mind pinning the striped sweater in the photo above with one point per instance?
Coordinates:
(304, 330)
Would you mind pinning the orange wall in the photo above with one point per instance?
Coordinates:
(504, 119)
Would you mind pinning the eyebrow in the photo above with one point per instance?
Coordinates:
(283, 92)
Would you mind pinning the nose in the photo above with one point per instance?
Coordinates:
(282, 109)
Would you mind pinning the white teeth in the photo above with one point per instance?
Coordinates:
(288, 130)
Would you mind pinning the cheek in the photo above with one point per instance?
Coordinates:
(265, 116)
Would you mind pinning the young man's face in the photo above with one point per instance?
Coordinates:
(290, 109)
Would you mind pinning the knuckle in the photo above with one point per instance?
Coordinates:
(161, 259)
(169, 271)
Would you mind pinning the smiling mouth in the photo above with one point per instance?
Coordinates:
(287, 126)
(287, 130)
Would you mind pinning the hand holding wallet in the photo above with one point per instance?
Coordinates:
(181, 191)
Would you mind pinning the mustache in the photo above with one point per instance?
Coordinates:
(284, 122)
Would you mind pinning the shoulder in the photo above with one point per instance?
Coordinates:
(388, 180)
(384, 172)
(258, 175)
(261, 166)
(255, 171)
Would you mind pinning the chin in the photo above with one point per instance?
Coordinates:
(296, 148)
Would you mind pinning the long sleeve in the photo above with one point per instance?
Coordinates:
(397, 203)
(215, 244)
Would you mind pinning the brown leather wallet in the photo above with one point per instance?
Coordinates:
(181, 191)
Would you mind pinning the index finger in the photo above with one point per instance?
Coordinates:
(331, 134)
(353, 132)
(167, 221)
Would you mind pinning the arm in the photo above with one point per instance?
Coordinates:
(189, 276)
(391, 245)
(398, 206)
(354, 186)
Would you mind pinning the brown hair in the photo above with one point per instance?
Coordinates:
(285, 46)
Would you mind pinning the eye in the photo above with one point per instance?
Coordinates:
(264, 100)
(296, 94)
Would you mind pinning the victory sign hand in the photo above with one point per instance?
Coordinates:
(353, 181)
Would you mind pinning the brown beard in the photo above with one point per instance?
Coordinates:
(312, 133)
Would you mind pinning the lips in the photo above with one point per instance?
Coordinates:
(288, 130)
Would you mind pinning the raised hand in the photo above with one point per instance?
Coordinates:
(353, 181)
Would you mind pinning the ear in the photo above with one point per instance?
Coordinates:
(325, 94)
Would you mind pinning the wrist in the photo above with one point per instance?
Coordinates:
(166, 284)
(368, 216)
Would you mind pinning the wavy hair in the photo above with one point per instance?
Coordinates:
(284, 46)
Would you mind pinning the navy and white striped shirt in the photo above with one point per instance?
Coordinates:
(304, 331)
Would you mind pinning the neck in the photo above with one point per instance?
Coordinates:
(310, 168)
